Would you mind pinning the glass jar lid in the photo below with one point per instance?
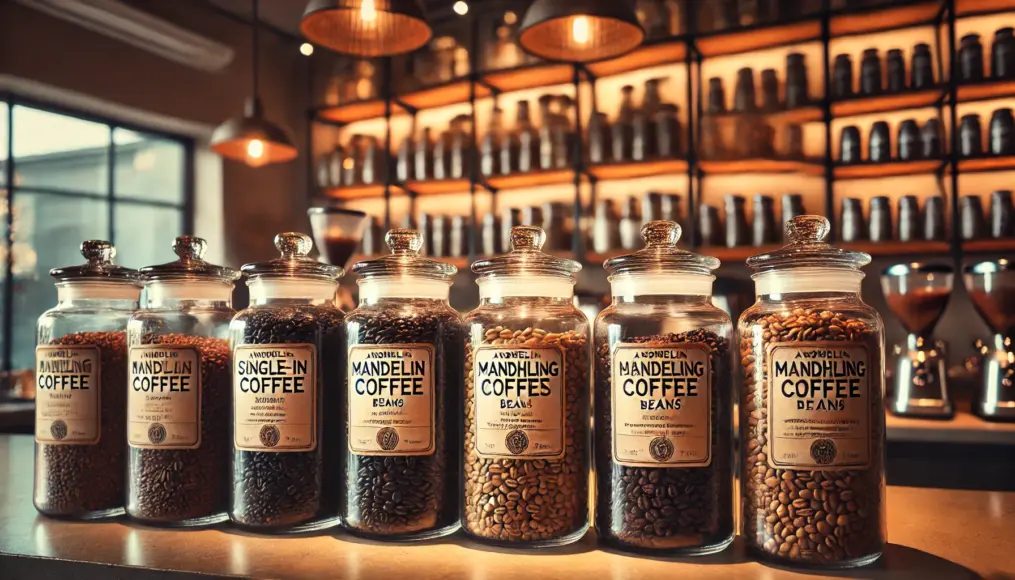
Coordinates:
(99, 266)
(807, 249)
(405, 259)
(190, 265)
(294, 261)
(526, 258)
(661, 254)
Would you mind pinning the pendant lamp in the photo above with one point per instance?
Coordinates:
(253, 139)
(366, 28)
(580, 30)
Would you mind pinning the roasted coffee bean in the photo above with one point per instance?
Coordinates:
(170, 485)
(73, 480)
(392, 495)
(677, 507)
(295, 488)
(821, 516)
(521, 500)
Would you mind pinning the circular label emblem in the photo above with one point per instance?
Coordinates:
(823, 451)
(517, 441)
(387, 438)
(270, 436)
(58, 430)
(156, 433)
(661, 449)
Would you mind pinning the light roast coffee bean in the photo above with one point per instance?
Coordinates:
(810, 516)
(522, 500)
(647, 507)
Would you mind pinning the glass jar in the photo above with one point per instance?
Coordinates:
(81, 388)
(812, 416)
(179, 378)
(663, 403)
(288, 380)
(403, 401)
(527, 370)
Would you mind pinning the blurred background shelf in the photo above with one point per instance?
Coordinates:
(760, 165)
(880, 18)
(529, 77)
(758, 37)
(986, 90)
(356, 191)
(862, 105)
(532, 179)
(963, 428)
(637, 169)
(868, 170)
(649, 55)
(983, 164)
(990, 246)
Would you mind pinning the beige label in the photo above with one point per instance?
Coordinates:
(68, 394)
(662, 405)
(164, 397)
(819, 405)
(275, 397)
(391, 399)
(520, 401)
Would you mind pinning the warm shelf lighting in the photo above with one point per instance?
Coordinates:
(461, 8)
(306, 49)
(580, 30)
(252, 139)
(367, 28)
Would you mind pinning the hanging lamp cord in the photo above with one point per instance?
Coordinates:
(254, 48)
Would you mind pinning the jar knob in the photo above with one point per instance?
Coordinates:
(294, 244)
(404, 241)
(661, 234)
(527, 238)
(805, 229)
(190, 248)
(98, 251)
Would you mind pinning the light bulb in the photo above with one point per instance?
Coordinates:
(461, 8)
(255, 150)
(580, 30)
(306, 49)
(368, 11)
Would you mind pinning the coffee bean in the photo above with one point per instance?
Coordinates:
(675, 507)
(170, 485)
(280, 490)
(394, 495)
(553, 503)
(74, 480)
(841, 511)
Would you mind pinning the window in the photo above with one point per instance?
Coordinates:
(68, 179)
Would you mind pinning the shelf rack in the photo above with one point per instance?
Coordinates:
(691, 50)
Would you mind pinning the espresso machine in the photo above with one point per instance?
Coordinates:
(917, 293)
(991, 287)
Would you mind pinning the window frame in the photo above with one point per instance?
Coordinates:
(10, 190)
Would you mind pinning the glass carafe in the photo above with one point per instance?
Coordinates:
(812, 417)
(179, 390)
(663, 403)
(403, 401)
(527, 371)
(288, 376)
(81, 388)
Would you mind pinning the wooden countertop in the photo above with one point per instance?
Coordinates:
(934, 533)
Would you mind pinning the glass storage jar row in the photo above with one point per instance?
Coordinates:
(812, 451)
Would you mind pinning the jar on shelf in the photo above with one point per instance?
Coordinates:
(81, 388)
(179, 379)
(527, 372)
(663, 401)
(403, 402)
(288, 382)
(812, 415)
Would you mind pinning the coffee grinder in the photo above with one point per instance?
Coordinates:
(918, 293)
(991, 287)
(337, 233)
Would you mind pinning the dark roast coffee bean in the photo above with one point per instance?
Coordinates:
(819, 516)
(73, 480)
(390, 495)
(676, 507)
(286, 489)
(520, 500)
(170, 485)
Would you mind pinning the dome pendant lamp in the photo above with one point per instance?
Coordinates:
(580, 30)
(366, 28)
(253, 139)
